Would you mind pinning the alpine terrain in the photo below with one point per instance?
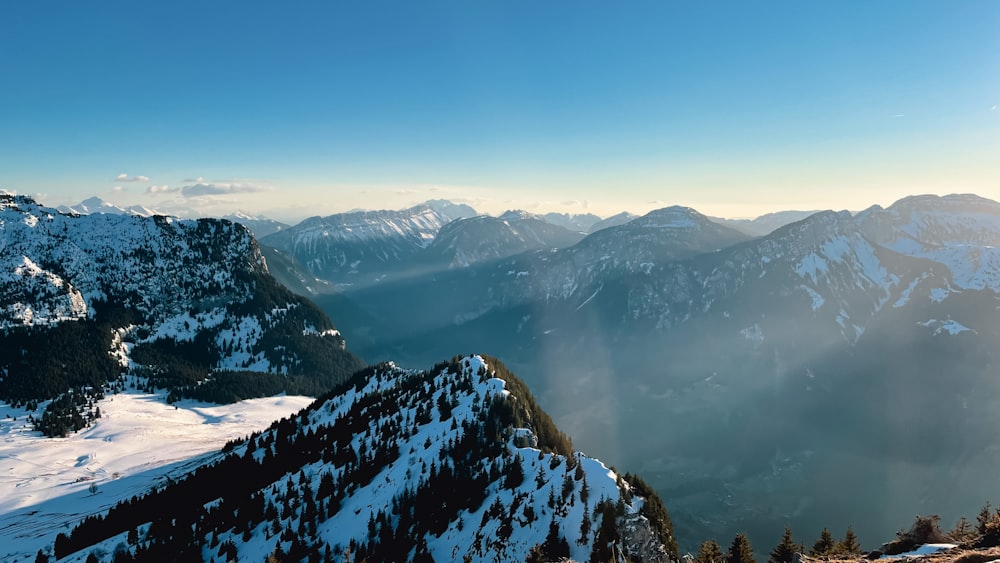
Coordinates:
(453, 464)
(185, 305)
(855, 350)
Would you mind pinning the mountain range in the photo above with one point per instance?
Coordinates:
(850, 349)
(389, 464)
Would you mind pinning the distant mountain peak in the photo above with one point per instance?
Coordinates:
(673, 217)
(97, 204)
(518, 215)
(259, 225)
(240, 214)
(451, 209)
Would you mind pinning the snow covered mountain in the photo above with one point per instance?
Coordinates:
(455, 464)
(359, 247)
(832, 348)
(259, 225)
(84, 297)
(97, 205)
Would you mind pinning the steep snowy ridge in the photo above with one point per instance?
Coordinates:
(454, 464)
(182, 298)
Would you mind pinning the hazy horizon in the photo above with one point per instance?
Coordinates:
(194, 213)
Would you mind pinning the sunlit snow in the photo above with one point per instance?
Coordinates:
(138, 443)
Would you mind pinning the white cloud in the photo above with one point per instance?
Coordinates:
(198, 180)
(123, 177)
(164, 189)
(118, 189)
(203, 189)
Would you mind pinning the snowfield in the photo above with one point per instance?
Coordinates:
(48, 484)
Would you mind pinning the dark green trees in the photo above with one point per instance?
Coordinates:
(785, 551)
(740, 551)
(709, 552)
(824, 545)
(849, 545)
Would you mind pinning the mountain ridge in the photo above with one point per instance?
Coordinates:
(872, 313)
(476, 472)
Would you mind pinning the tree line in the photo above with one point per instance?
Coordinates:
(984, 533)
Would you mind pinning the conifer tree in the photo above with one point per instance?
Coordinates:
(785, 551)
(741, 551)
(824, 545)
(555, 545)
(584, 528)
(962, 532)
(849, 545)
(983, 519)
(709, 552)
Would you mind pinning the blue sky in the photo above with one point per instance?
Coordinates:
(299, 108)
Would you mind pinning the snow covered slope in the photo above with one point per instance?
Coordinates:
(139, 443)
(454, 464)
